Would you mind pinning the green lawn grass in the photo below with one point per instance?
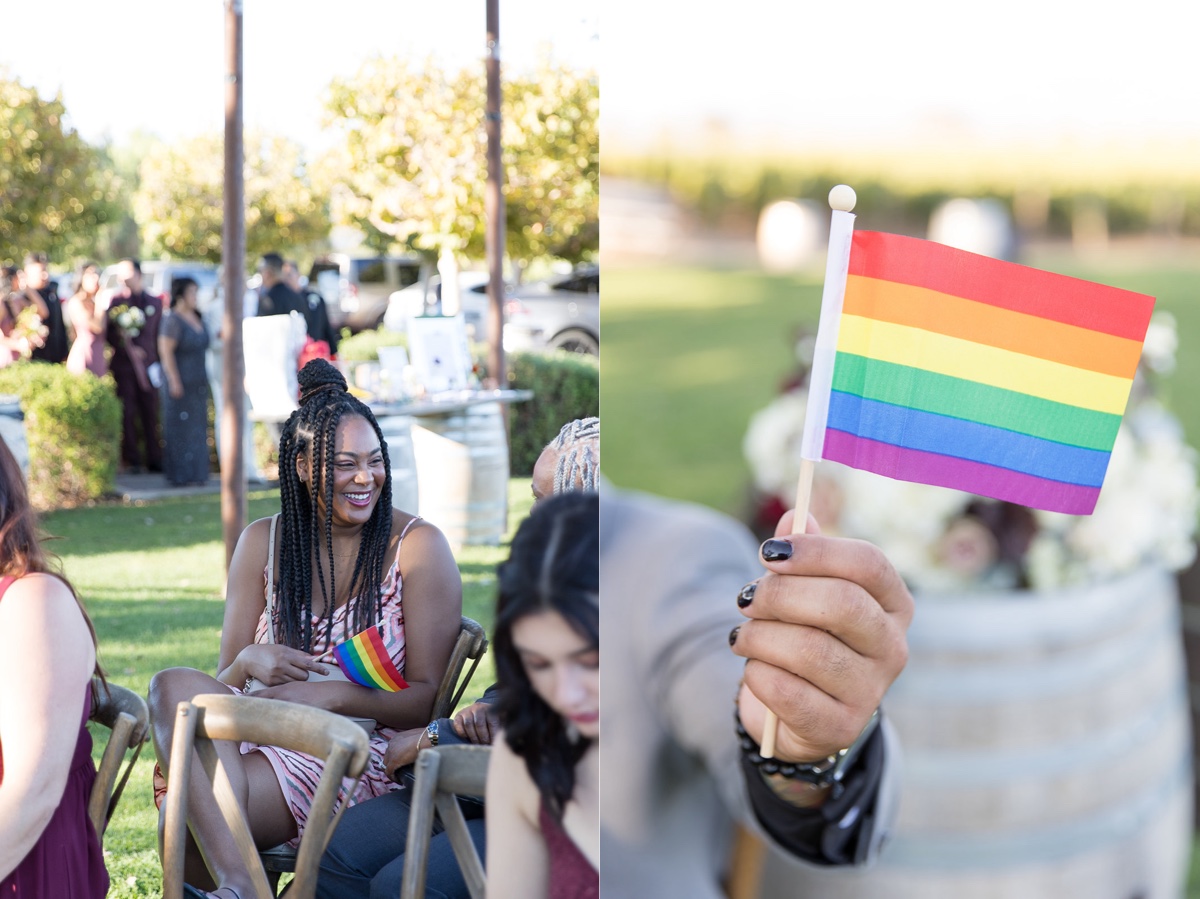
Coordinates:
(690, 354)
(151, 576)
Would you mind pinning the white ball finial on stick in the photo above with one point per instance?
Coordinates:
(843, 198)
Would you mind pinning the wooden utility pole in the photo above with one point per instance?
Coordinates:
(233, 254)
(494, 205)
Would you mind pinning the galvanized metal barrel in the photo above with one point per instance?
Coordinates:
(462, 473)
(1046, 745)
(397, 433)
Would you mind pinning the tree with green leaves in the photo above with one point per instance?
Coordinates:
(178, 203)
(56, 190)
(412, 161)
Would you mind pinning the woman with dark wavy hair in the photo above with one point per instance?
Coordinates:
(48, 847)
(346, 567)
(543, 799)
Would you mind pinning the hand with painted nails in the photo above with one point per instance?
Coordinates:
(825, 637)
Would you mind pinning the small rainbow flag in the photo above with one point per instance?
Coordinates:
(963, 371)
(364, 660)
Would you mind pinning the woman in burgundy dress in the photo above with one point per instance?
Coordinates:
(48, 847)
(543, 797)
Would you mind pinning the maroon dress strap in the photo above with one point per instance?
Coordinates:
(571, 874)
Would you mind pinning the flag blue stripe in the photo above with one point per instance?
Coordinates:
(933, 433)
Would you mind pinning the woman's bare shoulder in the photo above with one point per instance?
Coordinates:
(510, 770)
(251, 547)
(257, 532)
(46, 600)
(423, 534)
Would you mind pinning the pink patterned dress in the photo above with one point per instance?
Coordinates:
(298, 772)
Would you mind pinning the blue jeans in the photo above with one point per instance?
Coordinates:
(365, 858)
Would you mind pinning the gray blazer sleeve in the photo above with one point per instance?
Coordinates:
(676, 571)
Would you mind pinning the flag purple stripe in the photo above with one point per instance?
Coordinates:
(959, 474)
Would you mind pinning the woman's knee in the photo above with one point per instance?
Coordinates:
(172, 686)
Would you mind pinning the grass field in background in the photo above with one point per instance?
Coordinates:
(151, 576)
(691, 354)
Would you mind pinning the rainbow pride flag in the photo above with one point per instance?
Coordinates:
(949, 368)
(364, 660)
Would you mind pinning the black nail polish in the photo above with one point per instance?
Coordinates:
(747, 595)
(733, 635)
(777, 550)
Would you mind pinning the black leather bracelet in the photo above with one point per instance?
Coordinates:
(827, 771)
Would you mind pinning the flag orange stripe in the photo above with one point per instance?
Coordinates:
(942, 313)
(381, 663)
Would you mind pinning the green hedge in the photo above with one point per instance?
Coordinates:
(73, 426)
(364, 346)
(565, 386)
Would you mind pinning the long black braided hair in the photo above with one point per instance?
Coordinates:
(310, 433)
(554, 566)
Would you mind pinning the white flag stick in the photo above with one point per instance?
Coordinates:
(820, 382)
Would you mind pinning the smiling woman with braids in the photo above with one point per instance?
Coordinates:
(340, 558)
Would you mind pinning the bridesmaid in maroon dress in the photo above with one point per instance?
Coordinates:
(48, 847)
(543, 795)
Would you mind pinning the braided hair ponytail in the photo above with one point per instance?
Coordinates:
(306, 533)
(578, 443)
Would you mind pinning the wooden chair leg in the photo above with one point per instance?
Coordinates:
(746, 864)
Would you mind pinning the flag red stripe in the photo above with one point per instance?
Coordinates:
(923, 263)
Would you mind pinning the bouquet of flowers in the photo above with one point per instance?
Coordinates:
(30, 329)
(129, 320)
(942, 540)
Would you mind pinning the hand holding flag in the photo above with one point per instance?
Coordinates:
(944, 367)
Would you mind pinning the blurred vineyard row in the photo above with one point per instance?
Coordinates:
(1061, 188)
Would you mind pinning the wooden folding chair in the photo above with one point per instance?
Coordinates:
(340, 742)
(472, 643)
(442, 773)
(125, 714)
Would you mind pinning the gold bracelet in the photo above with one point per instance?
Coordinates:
(421, 734)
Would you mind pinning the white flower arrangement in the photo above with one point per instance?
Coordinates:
(942, 540)
(129, 319)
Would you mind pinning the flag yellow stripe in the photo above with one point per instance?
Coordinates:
(990, 365)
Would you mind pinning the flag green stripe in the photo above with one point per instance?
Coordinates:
(902, 385)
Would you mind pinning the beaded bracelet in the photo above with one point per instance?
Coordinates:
(822, 773)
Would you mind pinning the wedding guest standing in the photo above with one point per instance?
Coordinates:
(89, 318)
(40, 293)
(48, 847)
(133, 334)
(181, 349)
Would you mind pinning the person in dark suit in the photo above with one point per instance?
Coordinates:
(275, 297)
(316, 316)
(40, 292)
(132, 332)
